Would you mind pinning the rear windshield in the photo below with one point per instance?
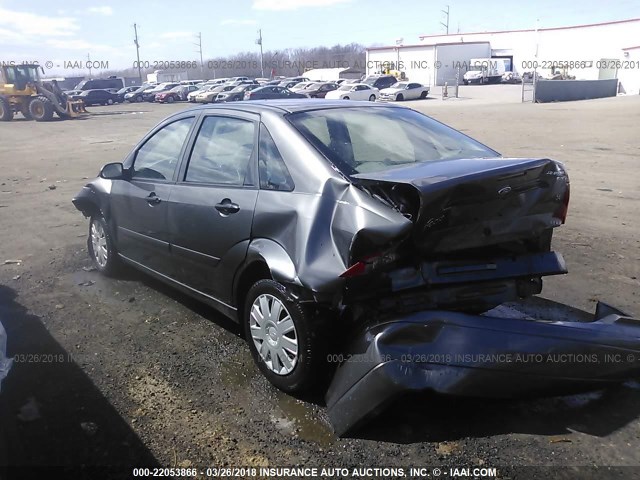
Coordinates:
(375, 139)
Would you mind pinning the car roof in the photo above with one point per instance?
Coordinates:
(284, 106)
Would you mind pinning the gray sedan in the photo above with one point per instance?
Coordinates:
(304, 220)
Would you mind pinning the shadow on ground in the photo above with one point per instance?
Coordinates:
(51, 413)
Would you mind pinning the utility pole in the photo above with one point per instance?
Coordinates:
(89, 64)
(446, 25)
(199, 45)
(135, 41)
(259, 42)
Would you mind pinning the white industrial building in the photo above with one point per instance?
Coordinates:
(600, 51)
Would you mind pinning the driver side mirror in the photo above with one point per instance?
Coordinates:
(112, 171)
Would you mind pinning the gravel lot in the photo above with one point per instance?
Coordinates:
(137, 374)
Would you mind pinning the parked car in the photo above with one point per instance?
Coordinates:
(289, 84)
(176, 94)
(319, 90)
(138, 94)
(97, 97)
(404, 91)
(73, 93)
(380, 81)
(191, 97)
(299, 219)
(150, 95)
(210, 95)
(236, 94)
(123, 91)
(271, 92)
(354, 91)
(511, 77)
(301, 86)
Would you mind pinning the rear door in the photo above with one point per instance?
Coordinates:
(212, 204)
(139, 203)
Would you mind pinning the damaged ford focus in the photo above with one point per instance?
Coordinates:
(367, 229)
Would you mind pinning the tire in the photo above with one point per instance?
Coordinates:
(372, 98)
(41, 109)
(170, 99)
(423, 95)
(400, 97)
(105, 259)
(6, 114)
(25, 111)
(305, 334)
(110, 101)
(345, 98)
(138, 98)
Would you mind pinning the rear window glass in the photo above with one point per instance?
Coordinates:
(363, 140)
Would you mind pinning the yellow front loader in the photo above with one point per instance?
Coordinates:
(22, 91)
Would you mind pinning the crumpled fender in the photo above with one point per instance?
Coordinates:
(93, 198)
(491, 355)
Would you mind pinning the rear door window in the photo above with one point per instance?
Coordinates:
(222, 151)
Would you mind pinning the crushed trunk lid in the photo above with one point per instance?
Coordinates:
(461, 204)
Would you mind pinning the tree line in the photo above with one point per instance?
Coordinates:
(287, 62)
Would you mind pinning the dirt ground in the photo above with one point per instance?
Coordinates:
(135, 374)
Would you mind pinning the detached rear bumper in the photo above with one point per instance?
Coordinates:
(507, 353)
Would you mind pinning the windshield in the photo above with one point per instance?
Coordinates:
(364, 140)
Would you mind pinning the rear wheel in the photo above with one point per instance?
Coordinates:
(423, 95)
(288, 346)
(110, 101)
(345, 98)
(170, 99)
(138, 98)
(41, 109)
(100, 246)
(6, 114)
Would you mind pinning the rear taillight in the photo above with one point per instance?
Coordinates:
(563, 209)
(369, 264)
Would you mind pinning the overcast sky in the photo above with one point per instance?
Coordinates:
(63, 30)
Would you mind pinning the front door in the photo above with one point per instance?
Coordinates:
(139, 204)
(212, 204)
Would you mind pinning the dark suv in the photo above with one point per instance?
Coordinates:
(380, 81)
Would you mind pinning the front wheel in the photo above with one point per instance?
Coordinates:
(41, 109)
(372, 98)
(110, 101)
(345, 98)
(286, 343)
(400, 97)
(101, 247)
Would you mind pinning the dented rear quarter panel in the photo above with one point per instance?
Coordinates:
(317, 223)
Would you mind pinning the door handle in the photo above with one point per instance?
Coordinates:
(227, 207)
(153, 199)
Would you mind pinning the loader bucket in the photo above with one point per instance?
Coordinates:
(75, 108)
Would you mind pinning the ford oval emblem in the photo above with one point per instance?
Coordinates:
(504, 191)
